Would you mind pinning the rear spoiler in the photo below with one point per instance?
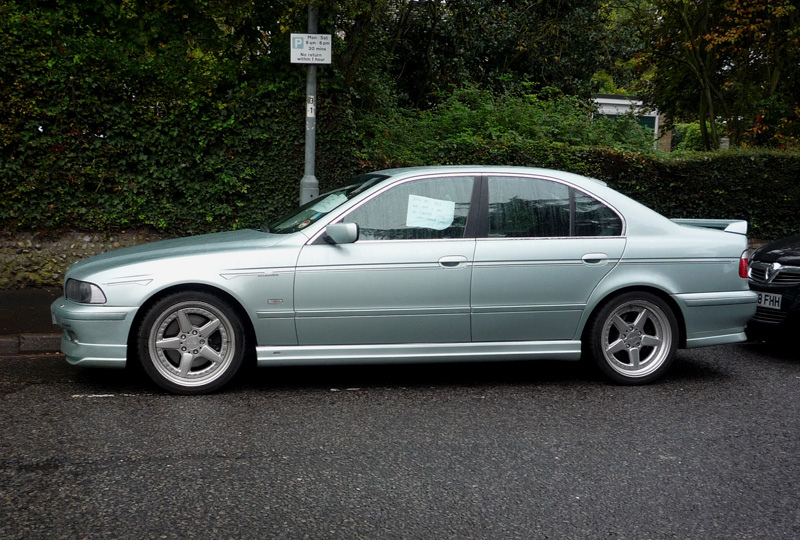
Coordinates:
(736, 226)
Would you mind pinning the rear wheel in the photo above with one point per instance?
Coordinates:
(191, 342)
(633, 338)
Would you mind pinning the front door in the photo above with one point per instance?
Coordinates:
(407, 278)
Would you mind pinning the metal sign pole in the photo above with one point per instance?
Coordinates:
(309, 186)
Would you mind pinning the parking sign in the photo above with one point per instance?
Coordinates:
(311, 48)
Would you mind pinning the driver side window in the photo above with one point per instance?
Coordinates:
(434, 208)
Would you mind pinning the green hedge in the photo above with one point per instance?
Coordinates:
(117, 116)
(254, 176)
(211, 166)
(761, 187)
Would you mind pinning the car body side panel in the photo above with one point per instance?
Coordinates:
(536, 288)
(392, 291)
(257, 271)
(699, 270)
(708, 314)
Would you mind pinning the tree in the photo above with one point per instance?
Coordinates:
(763, 39)
(496, 44)
(735, 60)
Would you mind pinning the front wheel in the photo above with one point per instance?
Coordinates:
(633, 338)
(191, 342)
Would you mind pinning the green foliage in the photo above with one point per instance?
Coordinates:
(473, 118)
(116, 117)
(185, 116)
(438, 46)
(688, 137)
(736, 61)
(759, 186)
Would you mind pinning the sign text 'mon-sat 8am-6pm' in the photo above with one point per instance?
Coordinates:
(311, 48)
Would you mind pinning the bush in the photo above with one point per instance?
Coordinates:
(688, 138)
(475, 118)
(110, 119)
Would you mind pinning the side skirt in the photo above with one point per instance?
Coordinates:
(418, 352)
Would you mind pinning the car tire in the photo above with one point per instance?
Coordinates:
(191, 342)
(633, 338)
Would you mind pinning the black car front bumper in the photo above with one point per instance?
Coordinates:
(771, 322)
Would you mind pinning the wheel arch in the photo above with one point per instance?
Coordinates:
(661, 294)
(247, 323)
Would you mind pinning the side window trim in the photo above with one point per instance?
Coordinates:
(482, 210)
(474, 218)
(573, 212)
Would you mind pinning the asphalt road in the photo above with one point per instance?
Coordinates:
(461, 451)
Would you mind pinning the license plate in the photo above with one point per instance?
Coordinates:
(767, 300)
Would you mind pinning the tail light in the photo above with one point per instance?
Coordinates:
(744, 264)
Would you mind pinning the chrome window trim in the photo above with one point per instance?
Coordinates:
(416, 240)
(528, 238)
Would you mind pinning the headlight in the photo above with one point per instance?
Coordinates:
(84, 293)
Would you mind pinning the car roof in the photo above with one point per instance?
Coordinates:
(487, 169)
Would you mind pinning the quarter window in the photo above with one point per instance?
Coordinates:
(532, 207)
(593, 218)
(434, 208)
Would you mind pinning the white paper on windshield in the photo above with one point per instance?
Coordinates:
(329, 203)
(430, 213)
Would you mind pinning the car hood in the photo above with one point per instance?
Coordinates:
(785, 251)
(207, 244)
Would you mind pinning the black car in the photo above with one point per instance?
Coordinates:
(775, 276)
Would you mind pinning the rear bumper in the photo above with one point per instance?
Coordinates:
(95, 336)
(716, 318)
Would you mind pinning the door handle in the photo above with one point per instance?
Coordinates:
(452, 261)
(595, 259)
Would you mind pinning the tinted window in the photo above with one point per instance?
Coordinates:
(421, 209)
(530, 207)
(527, 207)
(593, 218)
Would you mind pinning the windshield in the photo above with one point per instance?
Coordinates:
(300, 218)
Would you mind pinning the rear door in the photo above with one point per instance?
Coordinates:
(545, 246)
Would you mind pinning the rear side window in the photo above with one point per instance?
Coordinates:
(536, 208)
(594, 218)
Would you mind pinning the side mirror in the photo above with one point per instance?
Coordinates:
(341, 233)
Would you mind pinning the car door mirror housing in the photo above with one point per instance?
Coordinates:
(341, 233)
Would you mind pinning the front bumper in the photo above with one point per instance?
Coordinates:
(773, 324)
(94, 335)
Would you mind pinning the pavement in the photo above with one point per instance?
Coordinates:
(25, 323)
